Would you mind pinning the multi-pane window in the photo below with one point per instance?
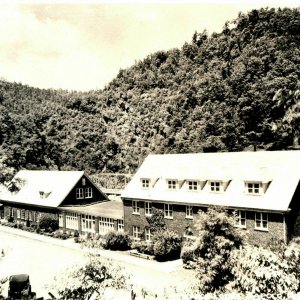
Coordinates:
(23, 214)
(147, 234)
(145, 183)
(261, 221)
(121, 225)
(148, 208)
(253, 188)
(215, 186)
(106, 225)
(189, 212)
(30, 216)
(71, 221)
(136, 232)
(79, 193)
(88, 223)
(168, 211)
(136, 207)
(240, 219)
(192, 185)
(172, 184)
(88, 192)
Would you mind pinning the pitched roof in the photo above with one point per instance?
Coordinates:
(57, 184)
(279, 168)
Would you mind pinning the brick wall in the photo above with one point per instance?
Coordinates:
(179, 223)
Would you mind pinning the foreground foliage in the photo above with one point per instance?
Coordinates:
(89, 280)
(209, 254)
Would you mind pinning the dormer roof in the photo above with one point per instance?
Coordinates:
(278, 169)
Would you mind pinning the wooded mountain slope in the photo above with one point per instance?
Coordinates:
(231, 91)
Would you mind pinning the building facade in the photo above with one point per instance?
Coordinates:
(261, 187)
(69, 196)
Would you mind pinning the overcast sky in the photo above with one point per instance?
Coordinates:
(80, 46)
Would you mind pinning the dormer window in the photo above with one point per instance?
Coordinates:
(192, 185)
(172, 184)
(216, 186)
(254, 188)
(145, 183)
(44, 195)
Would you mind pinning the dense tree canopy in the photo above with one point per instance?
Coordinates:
(229, 91)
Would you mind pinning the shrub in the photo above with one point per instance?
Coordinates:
(89, 280)
(48, 221)
(260, 271)
(143, 247)
(166, 245)
(116, 241)
(188, 254)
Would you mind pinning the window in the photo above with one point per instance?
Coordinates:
(240, 219)
(23, 214)
(148, 208)
(192, 185)
(147, 234)
(30, 216)
(121, 225)
(261, 221)
(79, 193)
(215, 186)
(253, 188)
(88, 223)
(71, 221)
(172, 184)
(189, 212)
(136, 207)
(83, 181)
(145, 183)
(18, 214)
(106, 225)
(168, 211)
(88, 192)
(136, 232)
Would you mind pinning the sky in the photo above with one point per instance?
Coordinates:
(82, 46)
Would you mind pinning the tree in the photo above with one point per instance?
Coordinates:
(91, 279)
(156, 221)
(216, 238)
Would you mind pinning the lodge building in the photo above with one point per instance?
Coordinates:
(70, 196)
(261, 187)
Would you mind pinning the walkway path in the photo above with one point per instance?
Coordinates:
(168, 266)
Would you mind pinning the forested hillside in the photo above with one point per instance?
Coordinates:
(229, 91)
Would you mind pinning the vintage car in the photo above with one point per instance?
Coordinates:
(19, 287)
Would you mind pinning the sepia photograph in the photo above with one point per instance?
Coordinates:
(149, 150)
